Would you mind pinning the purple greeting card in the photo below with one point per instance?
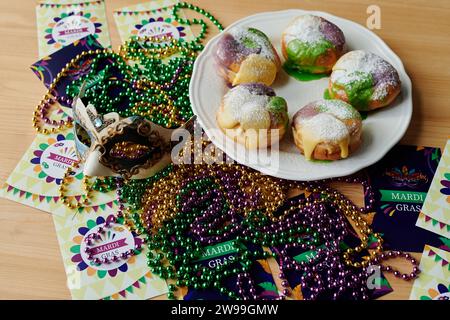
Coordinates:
(400, 182)
(48, 67)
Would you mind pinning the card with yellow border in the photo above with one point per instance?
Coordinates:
(435, 213)
(152, 19)
(60, 24)
(433, 282)
(37, 177)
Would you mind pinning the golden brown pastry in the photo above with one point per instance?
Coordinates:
(245, 55)
(327, 130)
(253, 115)
(312, 44)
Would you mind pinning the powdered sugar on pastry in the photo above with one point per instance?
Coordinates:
(264, 46)
(249, 112)
(338, 108)
(332, 122)
(326, 127)
(253, 115)
(240, 104)
(306, 29)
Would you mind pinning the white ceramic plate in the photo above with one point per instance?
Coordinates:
(381, 130)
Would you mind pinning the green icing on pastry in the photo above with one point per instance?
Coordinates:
(326, 95)
(321, 161)
(302, 75)
(259, 33)
(251, 42)
(364, 115)
(277, 104)
(359, 89)
(278, 107)
(352, 112)
(304, 55)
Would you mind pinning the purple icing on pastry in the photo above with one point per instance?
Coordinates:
(230, 51)
(259, 89)
(332, 33)
(386, 75)
(338, 108)
(308, 111)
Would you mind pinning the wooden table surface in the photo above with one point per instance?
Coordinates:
(31, 266)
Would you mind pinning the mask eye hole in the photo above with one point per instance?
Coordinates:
(127, 150)
(82, 135)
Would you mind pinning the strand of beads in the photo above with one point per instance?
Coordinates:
(326, 274)
(40, 116)
(168, 82)
(394, 254)
(94, 237)
(134, 45)
(151, 88)
(104, 184)
(204, 27)
(262, 186)
(133, 190)
(211, 218)
(205, 226)
(51, 97)
(68, 176)
(164, 100)
(368, 192)
(217, 203)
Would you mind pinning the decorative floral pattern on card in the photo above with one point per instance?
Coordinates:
(433, 282)
(37, 177)
(123, 276)
(60, 24)
(435, 213)
(153, 19)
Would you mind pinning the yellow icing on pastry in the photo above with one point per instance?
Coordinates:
(343, 144)
(309, 143)
(256, 68)
(324, 128)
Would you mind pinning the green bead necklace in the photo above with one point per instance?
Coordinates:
(174, 252)
(156, 85)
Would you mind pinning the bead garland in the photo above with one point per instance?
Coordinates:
(40, 115)
(149, 88)
(93, 237)
(395, 272)
(104, 184)
(300, 225)
(51, 97)
(128, 150)
(70, 171)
